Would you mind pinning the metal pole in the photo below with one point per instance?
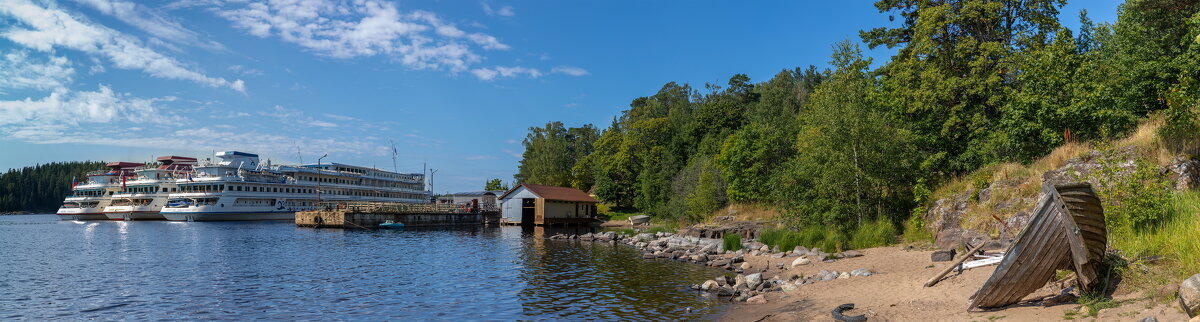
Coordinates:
(319, 178)
(431, 173)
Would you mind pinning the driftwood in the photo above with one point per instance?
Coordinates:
(1066, 231)
(967, 255)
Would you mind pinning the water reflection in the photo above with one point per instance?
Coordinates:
(274, 270)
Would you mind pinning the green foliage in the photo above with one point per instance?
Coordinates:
(42, 187)
(1133, 199)
(552, 151)
(697, 190)
(732, 242)
(914, 227)
(748, 158)
(495, 185)
(1175, 238)
(876, 233)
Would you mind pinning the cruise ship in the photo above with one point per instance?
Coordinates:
(239, 187)
(143, 196)
(89, 198)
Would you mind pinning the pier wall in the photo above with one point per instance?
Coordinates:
(371, 220)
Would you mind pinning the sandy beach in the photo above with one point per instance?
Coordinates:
(895, 292)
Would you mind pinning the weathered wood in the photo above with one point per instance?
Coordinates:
(1066, 231)
(938, 278)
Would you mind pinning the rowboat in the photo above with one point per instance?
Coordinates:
(1066, 231)
(391, 225)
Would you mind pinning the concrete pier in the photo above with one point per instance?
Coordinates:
(369, 216)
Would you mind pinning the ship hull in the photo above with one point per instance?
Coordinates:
(82, 216)
(134, 215)
(229, 216)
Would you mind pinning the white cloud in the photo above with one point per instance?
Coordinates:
(285, 115)
(50, 28)
(489, 74)
(347, 29)
(245, 71)
(506, 11)
(569, 70)
(65, 107)
(151, 21)
(18, 71)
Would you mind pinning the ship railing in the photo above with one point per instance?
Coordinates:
(391, 207)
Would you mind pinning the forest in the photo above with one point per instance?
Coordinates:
(41, 188)
(973, 83)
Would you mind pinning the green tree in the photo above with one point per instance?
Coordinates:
(495, 185)
(853, 162)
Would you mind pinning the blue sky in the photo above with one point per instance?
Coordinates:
(455, 84)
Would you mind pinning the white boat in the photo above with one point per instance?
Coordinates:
(143, 197)
(89, 197)
(240, 188)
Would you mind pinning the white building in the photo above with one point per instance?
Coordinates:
(530, 204)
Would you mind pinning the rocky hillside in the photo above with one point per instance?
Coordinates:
(993, 203)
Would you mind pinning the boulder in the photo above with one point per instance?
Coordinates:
(721, 280)
(860, 272)
(1189, 295)
(753, 280)
(719, 262)
(645, 237)
(942, 255)
(778, 255)
(852, 254)
(745, 266)
(757, 299)
(710, 285)
(844, 275)
(725, 291)
(800, 250)
(648, 256)
(764, 248)
(737, 259)
(789, 287)
(739, 280)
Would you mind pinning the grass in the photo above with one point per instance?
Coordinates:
(879, 232)
(732, 242)
(618, 215)
(1176, 239)
(871, 234)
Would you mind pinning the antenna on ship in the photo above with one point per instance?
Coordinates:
(394, 154)
(299, 157)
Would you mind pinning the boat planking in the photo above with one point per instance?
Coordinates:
(1066, 231)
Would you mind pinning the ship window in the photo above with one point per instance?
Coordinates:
(164, 190)
(222, 187)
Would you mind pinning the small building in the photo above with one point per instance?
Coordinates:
(531, 204)
(485, 198)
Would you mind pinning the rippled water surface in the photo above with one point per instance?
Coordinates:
(55, 269)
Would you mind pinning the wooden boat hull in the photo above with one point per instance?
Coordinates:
(1066, 231)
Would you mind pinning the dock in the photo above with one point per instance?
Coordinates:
(370, 215)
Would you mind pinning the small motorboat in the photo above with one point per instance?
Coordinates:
(391, 225)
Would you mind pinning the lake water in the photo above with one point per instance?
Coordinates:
(148, 270)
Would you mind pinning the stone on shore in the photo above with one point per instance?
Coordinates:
(710, 285)
(757, 299)
(740, 280)
(745, 266)
(942, 255)
(719, 262)
(860, 272)
(800, 250)
(648, 256)
(801, 261)
(753, 280)
(844, 275)
(852, 254)
(1189, 296)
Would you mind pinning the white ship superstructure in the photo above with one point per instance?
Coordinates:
(143, 197)
(89, 197)
(240, 188)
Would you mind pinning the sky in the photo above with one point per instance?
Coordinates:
(454, 85)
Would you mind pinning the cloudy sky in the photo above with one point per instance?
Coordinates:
(454, 84)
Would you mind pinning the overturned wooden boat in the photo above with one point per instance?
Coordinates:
(1066, 231)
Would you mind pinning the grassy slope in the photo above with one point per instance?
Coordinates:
(1176, 239)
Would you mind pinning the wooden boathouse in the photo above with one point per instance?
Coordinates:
(538, 205)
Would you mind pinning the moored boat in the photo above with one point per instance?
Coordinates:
(89, 197)
(144, 197)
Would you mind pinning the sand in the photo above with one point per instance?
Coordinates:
(895, 293)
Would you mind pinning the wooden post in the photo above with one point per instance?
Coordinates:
(964, 258)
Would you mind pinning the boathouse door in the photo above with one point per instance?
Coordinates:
(528, 210)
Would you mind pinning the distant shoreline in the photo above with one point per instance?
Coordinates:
(16, 213)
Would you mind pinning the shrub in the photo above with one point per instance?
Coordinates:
(1132, 200)
(732, 242)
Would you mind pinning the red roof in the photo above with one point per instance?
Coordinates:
(123, 165)
(554, 193)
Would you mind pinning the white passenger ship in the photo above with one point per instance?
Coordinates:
(89, 198)
(240, 188)
(142, 197)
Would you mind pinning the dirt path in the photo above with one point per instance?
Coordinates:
(895, 293)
